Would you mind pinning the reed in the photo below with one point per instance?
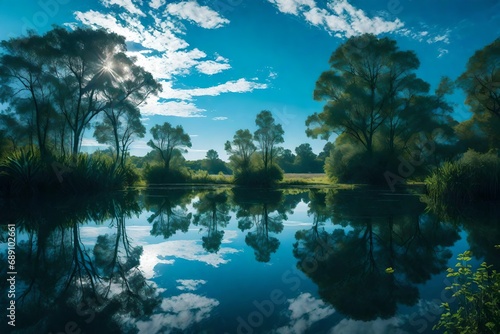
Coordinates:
(473, 177)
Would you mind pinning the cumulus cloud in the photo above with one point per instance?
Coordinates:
(304, 311)
(339, 17)
(219, 118)
(191, 250)
(193, 12)
(190, 284)
(179, 313)
(127, 4)
(378, 326)
(161, 48)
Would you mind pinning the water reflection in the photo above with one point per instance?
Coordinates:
(349, 263)
(65, 285)
(212, 214)
(163, 261)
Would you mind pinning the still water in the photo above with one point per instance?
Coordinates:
(237, 261)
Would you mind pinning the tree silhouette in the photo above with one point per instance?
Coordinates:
(212, 214)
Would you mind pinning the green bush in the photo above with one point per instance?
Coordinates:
(259, 177)
(478, 297)
(158, 174)
(24, 173)
(475, 176)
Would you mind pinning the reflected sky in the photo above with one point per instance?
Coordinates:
(323, 252)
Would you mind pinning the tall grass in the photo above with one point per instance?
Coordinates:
(22, 172)
(473, 177)
(25, 173)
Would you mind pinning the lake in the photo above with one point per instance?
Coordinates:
(238, 261)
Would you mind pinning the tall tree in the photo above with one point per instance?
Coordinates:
(241, 149)
(481, 84)
(376, 103)
(268, 136)
(91, 73)
(306, 161)
(23, 78)
(481, 80)
(118, 128)
(168, 140)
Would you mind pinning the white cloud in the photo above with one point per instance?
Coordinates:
(219, 118)
(442, 52)
(305, 310)
(166, 252)
(193, 12)
(92, 142)
(179, 313)
(273, 75)
(127, 4)
(378, 326)
(171, 108)
(339, 18)
(212, 67)
(444, 38)
(292, 6)
(155, 4)
(165, 52)
(233, 86)
(190, 284)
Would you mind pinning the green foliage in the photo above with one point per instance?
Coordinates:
(259, 177)
(158, 174)
(478, 296)
(169, 141)
(25, 173)
(475, 176)
(22, 171)
(374, 98)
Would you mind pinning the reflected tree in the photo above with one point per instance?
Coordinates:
(213, 209)
(263, 212)
(349, 264)
(61, 279)
(169, 212)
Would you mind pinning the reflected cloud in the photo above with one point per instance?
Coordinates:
(180, 313)
(190, 250)
(305, 311)
(378, 326)
(190, 284)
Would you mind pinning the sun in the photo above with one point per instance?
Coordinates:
(107, 66)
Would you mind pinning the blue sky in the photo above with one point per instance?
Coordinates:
(223, 61)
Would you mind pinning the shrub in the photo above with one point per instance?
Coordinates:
(158, 174)
(475, 176)
(22, 172)
(259, 177)
(478, 297)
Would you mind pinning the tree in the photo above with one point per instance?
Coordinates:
(212, 155)
(268, 135)
(373, 96)
(481, 80)
(23, 78)
(213, 164)
(286, 160)
(62, 80)
(306, 161)
(241, 150)
(118, 128)
(168, 140)
(481, 84)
